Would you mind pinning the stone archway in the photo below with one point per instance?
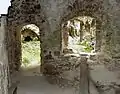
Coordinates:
(22, 16)
(30, 50)
(79, 30)
(16, 52)
(96, 12)
(92, 9)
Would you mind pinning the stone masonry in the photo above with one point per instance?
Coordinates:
(48, 16)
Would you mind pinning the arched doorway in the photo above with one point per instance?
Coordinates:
(30, 47)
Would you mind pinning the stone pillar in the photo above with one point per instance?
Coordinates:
(81, 30)
(3, 57)
(17, 49)
(93, 25)
(65, 36)
(87, 26)
(98, 36)
(14, 48)
(84, 76)
(51, 41)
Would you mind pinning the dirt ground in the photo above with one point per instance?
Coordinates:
(32, 82)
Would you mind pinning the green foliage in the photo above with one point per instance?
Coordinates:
(25, 61)
(88, 49)
(86, 44)
(30, 52)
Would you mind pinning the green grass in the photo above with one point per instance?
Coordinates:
(30, 52)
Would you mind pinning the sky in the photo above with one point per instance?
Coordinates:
(4, 4)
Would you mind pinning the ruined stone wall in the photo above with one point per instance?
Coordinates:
(4, 69)
(44, 14)
(21, 13)
(48, 15)
(110, 41)
(58, 12)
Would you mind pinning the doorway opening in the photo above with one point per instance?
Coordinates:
(79, 35)
(30, 46)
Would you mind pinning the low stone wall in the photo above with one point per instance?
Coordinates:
(64, 71)
(70, 71)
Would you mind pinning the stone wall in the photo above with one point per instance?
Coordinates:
(48, 15)
(21, 13)
(4, 69)
(110, 41)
